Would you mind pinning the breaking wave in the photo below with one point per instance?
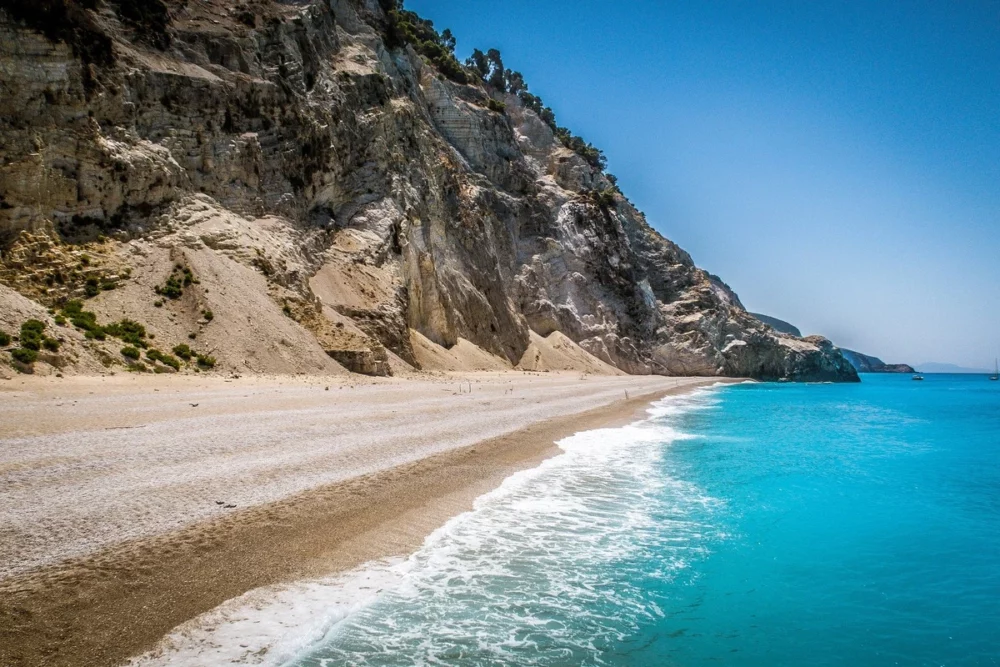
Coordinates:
(554, 567)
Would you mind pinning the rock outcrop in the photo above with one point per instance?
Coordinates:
(780, 326)
(865, 364)
(862, 363)
(340, 194)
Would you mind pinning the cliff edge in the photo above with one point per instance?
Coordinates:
(780, 326)
(309, 186)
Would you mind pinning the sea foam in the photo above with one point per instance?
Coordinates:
(552, 568)
(270, 626)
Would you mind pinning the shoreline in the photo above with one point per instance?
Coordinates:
(106, 607)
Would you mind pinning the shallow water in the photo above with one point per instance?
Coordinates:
(767, 524)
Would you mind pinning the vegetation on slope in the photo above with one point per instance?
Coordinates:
(406, 27)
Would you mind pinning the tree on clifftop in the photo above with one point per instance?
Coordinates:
(406, 27)
(496, 78)
(479, 64)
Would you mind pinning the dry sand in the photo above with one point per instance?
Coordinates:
(111, 531)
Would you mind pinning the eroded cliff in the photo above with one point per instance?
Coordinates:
(329, 198)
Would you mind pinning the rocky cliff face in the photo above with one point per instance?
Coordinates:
(867, 364)
(331, 196)
(780, 326)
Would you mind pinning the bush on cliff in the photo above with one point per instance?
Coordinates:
(602, 199)
(490, 69)
(165, 359)
(172, 289)
(83, 319)
(32, 335)
(24, 355)
(128, 331)
(406, 27)
(92, 287)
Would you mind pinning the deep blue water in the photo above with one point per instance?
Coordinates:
(751, 525)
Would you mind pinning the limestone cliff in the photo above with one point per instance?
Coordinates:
(780, 326)
(322, 194)
(864, 363)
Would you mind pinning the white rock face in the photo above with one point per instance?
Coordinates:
(334, 154)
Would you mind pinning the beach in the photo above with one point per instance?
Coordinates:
(133, 504)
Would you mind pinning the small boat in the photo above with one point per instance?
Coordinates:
(918, 378)
(996, 371)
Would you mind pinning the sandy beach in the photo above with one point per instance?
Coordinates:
(132, 504)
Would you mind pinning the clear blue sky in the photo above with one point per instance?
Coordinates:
(837, 163)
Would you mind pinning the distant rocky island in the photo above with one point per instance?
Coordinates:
(867, 364)
(862, 363)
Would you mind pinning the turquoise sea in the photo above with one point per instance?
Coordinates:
(745, 525)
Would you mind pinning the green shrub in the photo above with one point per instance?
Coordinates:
(183, 351)
(50, 344)
(594, 156)
(83, 319)
(406, 27)
(206, 361)
(180, 277)
(4, 339)
(192, 335)
(128, 331)
(24, 355)
(60, 320)
(165, 359)
(31, 335)
(168, 360)
(130, 352)
(172, 289)
(208, 315)
(496, 105)
(603, 199)
(92, 287)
